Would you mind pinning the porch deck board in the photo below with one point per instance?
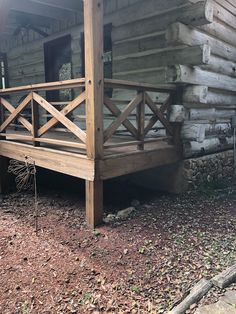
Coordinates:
(117, 161)
(67, 137)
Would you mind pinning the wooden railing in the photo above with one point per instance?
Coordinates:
(134, 117)
(31, 124)
(140, 114)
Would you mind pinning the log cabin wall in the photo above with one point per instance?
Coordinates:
(210, 89)
(196, 53)
(189, 43)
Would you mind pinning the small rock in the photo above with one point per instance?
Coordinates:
(193, 306)
(126, 252)
(148, 207)
(135, 203)
(125, 213)
(109, 219)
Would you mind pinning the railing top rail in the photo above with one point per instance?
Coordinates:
(167, 88)
(44, 86)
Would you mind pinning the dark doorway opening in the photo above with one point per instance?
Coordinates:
(3, 71)
(58, 66)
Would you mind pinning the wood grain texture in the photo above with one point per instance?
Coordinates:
(127, 163)
(93, 29)
(197, 292)
(60, 117)
(72, 164)
(66, 110)
(122, 117)
(16, 112)
(44, 86)
(11, 109)
(94, 203)
(224, 279)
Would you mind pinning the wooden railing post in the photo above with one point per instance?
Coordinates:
(35, 120)
(94, 86)
(94, 76)
(2, 113)
(141, 121)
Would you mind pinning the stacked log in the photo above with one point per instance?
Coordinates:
(141, 51)
(140, 48)
(211, 97)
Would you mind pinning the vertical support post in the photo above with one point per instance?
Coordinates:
(4, 176)
(2, 114)
(94, 203)
(234, 151)
(3, 161)
(35, 120)
(94, 85)
(141, 121)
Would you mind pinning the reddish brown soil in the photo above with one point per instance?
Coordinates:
(143, 265)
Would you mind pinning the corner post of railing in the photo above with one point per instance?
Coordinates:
(2, 114)
(141, 120)
(35, 120)
(94, 85)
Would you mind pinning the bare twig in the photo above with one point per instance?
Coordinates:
(26, 179)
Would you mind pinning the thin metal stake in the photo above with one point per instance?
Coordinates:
(234, 151)
(36, 201)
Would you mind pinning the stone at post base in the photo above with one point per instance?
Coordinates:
(189, 174)
(125, 213)
(209, 169)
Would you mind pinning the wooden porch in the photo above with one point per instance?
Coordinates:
(94, 136)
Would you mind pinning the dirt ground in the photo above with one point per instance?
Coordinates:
(145, 264)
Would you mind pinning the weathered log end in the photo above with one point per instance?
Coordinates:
(225, 278)
(201, 13)
(206, 54)
(195, 94)
(209, 11)
(198, 291)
